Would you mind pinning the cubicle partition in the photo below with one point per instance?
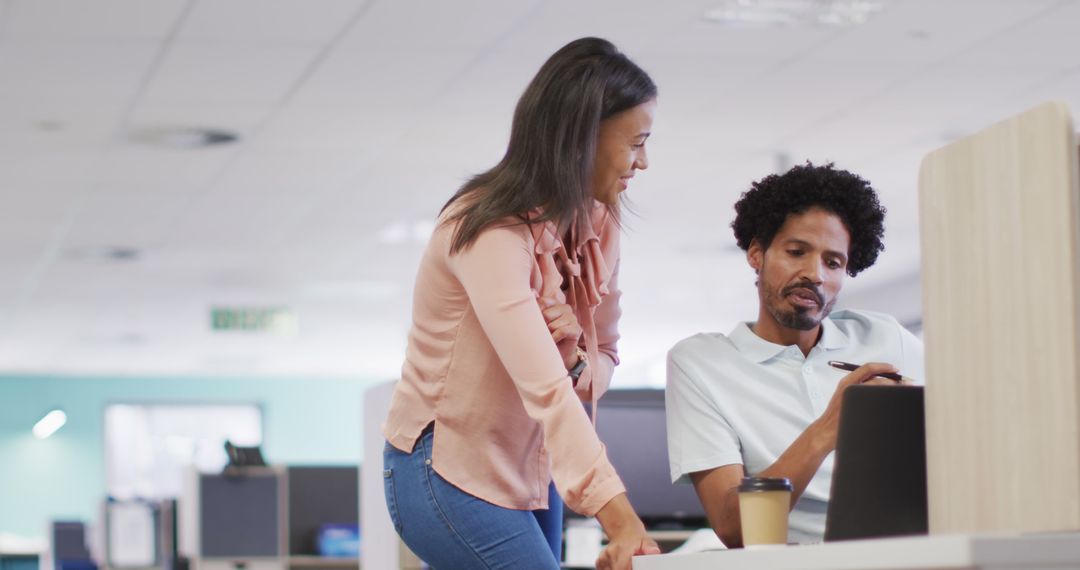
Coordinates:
(1001, 301)
(267, 518)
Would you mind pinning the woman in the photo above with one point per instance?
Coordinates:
(514, 326)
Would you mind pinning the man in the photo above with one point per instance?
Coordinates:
(763, 400)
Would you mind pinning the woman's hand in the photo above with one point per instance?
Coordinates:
(626, 535)
(564, 327)
(619, 551)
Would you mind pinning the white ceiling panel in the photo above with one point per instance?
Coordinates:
(28, 174)
(929, 110)
(490, 85)
(55, 131)
(770, 111)
(1063, 86)
(354, 135)
(1048, 40)
(259, 194)
(309, 22)
(391, 27)
(693, 87)
(635, 26)
(367, 79)
(67, 20)
(124, 220)
(228, 73)
(145, 171)
(694, 36)
(927, 31)
(58, 71)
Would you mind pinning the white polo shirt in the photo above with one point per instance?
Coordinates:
(739, 399)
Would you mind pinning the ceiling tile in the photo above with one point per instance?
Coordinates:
(312, 22)
(68, 20)
(232, 73)
(928, 31)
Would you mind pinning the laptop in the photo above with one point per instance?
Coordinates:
(879, 469)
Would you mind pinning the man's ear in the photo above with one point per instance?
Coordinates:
(755, 255)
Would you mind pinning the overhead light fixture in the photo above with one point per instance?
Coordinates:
(402, 232)
(183, 137)
(790, 13)
(368, 289)
(48, 425)
(103, 253)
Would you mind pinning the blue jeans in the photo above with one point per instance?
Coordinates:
(450, 529)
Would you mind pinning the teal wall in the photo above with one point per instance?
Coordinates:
(63, 477)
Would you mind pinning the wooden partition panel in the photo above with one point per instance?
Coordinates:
(1001, 294)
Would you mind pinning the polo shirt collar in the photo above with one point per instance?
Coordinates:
(759, 350)
(753, 346)
(831, 336)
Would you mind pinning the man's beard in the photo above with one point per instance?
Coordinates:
(799, 318)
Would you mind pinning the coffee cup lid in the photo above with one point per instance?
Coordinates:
(760, 484)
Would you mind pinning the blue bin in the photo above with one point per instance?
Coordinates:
(339, 540)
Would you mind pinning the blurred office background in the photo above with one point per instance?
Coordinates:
(223, 202)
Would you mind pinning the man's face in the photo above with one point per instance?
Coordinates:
(801, 273)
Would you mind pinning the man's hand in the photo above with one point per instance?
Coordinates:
(564, 327)
(826, 426)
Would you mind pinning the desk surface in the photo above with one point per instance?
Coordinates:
(323, 562)
(1046, 551)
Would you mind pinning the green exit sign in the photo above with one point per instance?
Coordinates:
(276, 320)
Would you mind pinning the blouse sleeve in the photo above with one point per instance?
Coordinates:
(495, 272)
(596, 377)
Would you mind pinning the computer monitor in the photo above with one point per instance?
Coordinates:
(879, 471)
(67, 545)
(632, 425)
(240, 514)
(319, 496)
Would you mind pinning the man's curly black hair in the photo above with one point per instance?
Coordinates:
(762, 210)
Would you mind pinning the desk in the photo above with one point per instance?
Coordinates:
(997, 552)
(20, 561)
(298, 561)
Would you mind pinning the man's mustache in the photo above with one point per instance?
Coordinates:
(809, 287)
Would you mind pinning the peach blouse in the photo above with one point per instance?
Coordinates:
(481, 363)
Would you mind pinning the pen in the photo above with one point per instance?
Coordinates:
(851, 367)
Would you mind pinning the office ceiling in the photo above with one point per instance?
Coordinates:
(357, 119)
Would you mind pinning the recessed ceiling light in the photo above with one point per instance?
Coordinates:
(183, 137)
(49, 125)
(788, 13)
(104, 253)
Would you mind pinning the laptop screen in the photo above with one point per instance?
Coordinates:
(879, 471)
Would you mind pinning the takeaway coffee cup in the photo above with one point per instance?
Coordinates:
(763, 510)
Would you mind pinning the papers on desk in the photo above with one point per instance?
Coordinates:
(14, 544)
(703, 539)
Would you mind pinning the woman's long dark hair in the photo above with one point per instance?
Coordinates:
(549, 159)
